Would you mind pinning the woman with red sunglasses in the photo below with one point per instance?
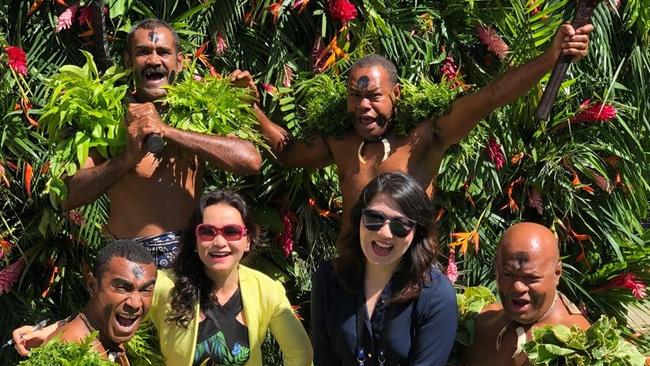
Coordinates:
(383, 301)
(212, 310)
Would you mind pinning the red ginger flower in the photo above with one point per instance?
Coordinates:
(85, 16)
(10, 275)
(448, 69)
(597, 112)
(495, 153)
(629, 281)
(492, 41)
(17, 59)
(286, 237)
(76, 217)
(342, 10)
(452, 269)
(66, 18)
(221, 44)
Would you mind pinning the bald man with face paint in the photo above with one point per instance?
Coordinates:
(528, 270)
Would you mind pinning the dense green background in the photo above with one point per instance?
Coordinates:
(418, 36)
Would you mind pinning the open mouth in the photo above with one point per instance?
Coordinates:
(126, 322)
(519, 304)
(367, 120)
(218, 256)
(154, 75)
(382, 249)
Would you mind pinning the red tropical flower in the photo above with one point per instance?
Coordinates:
(269, 88)
(27, 179)
(577, 183)
(76, 217)
(493, 41)
(341, 10)
(448, 69)
(512, 203)
(85, 16)
(628, 281)
(10, 275)
(5, 248)
(275, 9)
(17, 59)
(495, 153)
(66, 18)
(452, 269)
(516, 159)
(286, 237)
(301, 5)
(221, 44)
(596, 112)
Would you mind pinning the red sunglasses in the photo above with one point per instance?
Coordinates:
(207, 232)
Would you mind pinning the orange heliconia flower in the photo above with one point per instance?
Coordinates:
(509, 191)
(577, 183)
(516, 159)
(463, 239)
(274, 9)
(334, 52)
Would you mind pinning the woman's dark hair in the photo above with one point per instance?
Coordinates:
(192, 283)
(415, 266)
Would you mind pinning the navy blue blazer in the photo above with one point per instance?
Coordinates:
(421, 331)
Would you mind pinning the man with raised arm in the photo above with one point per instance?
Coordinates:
(121, 289)
(152, 196)
(528, 270)
(373, 88)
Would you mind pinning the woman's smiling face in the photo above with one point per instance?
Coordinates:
(382, 247)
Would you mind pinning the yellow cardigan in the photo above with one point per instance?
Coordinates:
(265, 307)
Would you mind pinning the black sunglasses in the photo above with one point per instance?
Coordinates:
(375, 220)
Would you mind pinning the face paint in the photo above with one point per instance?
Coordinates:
(136, 270)
(521, 258)
(153, 37)
(362, 84)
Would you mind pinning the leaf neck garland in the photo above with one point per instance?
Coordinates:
(86, 111)
(601, 344)
(326, 96)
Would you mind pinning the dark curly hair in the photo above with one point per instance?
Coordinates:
(415, 266)
(192, 283)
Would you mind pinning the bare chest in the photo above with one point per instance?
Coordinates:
(358, 162)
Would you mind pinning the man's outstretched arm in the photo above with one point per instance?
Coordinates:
(467, 111)
(313, 154)
(228, 153)
(290, 153)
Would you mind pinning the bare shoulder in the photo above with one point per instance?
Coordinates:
(486, 326)
(576, 320)
(73, 332)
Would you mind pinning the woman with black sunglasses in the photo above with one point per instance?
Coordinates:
(211, 310)
(383, 301)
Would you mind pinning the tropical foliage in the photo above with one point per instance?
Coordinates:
(584, 173)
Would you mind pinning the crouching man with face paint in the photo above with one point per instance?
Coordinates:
(121, 289)
(152, 195)
(528, 270)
